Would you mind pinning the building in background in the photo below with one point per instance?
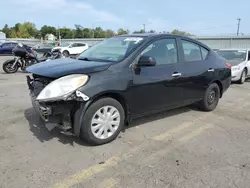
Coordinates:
(2, 37)
(50, 37)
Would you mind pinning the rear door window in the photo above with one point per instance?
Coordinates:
(80, 45)
(191, 50)
(13, 44)
(6, 45)
(204, 53)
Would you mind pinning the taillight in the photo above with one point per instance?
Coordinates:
(228, 65)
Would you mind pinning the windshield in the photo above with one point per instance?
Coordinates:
(42, 46)
(238, 55)
(114, 49)
(64, 44)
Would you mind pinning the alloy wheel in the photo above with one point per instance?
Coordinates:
(10, 68)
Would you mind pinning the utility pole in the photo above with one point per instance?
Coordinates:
(238, 28)
(144, 27)
(59, 37)
(93, 32)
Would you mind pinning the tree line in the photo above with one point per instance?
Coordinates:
(29, 30)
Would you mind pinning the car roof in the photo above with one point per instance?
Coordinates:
(152, 35)
(78, 43)
(234, 49)
(10, 42)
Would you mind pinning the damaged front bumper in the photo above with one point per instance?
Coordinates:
(56, 113)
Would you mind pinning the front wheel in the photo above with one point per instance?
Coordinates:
(243, 76)
(211, 98)
(103, 121)
(8, 66)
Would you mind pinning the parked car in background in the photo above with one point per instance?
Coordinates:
(7, 47)
(125, 77)
(68, 49)
(239, 59)
(43, 48)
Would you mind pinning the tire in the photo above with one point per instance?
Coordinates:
(65, 53)
(243, 76)
(8, 63)
(87, 124)
(211, 98)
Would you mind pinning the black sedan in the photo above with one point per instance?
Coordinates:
(125, 77)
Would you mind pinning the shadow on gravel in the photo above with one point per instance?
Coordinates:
(40, 131)
(164, 114)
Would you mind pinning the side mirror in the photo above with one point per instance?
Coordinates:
(146, 61)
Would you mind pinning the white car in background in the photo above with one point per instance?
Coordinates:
(68, 49)
(239, 59)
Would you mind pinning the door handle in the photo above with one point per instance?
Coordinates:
(177, 74)
(210, 70)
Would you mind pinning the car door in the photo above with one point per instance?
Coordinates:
(73, 48)
(155, 88)
(80, 47)
(248, 63)
(6, 48)
(194, 69)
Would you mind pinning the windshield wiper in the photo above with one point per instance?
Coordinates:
(84, 59)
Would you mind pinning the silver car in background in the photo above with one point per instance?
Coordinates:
(239, 59)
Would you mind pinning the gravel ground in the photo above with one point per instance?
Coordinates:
(179, 148)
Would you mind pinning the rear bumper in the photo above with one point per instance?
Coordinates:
(226, 84)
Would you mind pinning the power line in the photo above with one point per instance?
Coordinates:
(238, 28)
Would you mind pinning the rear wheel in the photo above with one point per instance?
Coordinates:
(243, 76)
(8, 66)
(211, 98)
(103, 121)
(65, 53)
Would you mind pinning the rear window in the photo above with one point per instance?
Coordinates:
(233, 54)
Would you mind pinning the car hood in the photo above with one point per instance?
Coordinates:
(62, 67)
(235, 62)
(58, 48)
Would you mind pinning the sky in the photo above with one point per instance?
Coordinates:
(199, 17)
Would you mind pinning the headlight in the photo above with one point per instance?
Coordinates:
(235, 68)
(62, 87)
